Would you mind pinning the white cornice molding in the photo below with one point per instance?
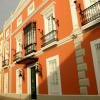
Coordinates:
(19, 9)
(28, 18)
(48, 9)
(65, 40)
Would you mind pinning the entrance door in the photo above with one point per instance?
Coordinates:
(33, 83)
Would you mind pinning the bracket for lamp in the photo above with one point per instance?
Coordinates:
(41, 31)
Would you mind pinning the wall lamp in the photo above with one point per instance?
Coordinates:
(20, 73)
(38, 68)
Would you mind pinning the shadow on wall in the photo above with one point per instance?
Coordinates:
(88, 37)
(68, 67)
(68, 71)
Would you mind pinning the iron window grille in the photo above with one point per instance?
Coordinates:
(30, 38)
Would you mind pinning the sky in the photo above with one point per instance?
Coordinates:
(6, 7)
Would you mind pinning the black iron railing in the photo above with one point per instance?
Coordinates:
(18, 56)
(91, 13)
(5, 62)
(30, 48)
(49, 38)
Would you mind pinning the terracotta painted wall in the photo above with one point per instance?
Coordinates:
(66, 52)
(68, 69)
(88, 37)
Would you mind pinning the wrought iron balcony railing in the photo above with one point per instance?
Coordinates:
(30, 48)
(18, 56)
(91, 13)
(5, 62)
(49, 38)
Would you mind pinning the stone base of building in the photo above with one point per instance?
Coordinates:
(46, 97)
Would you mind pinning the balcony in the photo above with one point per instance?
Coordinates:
(30, 48)
(5, 62)
(18, 56)
(49, 38)
(91, 15)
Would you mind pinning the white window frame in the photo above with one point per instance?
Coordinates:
(5, 83)
(95, 62)
(19, 20)
(19, 42)
(31, 8)
(58, 71)
(7, 33)
(6, 46)
(18, 83)
(46, 13)
(6, 54)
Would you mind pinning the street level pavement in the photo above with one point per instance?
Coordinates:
(8, 98)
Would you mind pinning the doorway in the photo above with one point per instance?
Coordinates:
(33, 83)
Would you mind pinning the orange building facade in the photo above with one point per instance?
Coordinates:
(52, 47)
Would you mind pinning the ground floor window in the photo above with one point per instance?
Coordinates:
(18, 82)
(5, 83)
(53, 74)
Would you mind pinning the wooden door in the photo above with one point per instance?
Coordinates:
(33, 83)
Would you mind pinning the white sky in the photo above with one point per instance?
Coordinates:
(6, 7)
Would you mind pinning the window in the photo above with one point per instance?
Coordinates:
(30, 8)
(50, 23)
(6, 83)
(6, 46)
(50, 34)
(29, 37)
(18, 83)
(18, 53)
(48, 15)
(19, 21)
(53, 73)
(19, 42)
